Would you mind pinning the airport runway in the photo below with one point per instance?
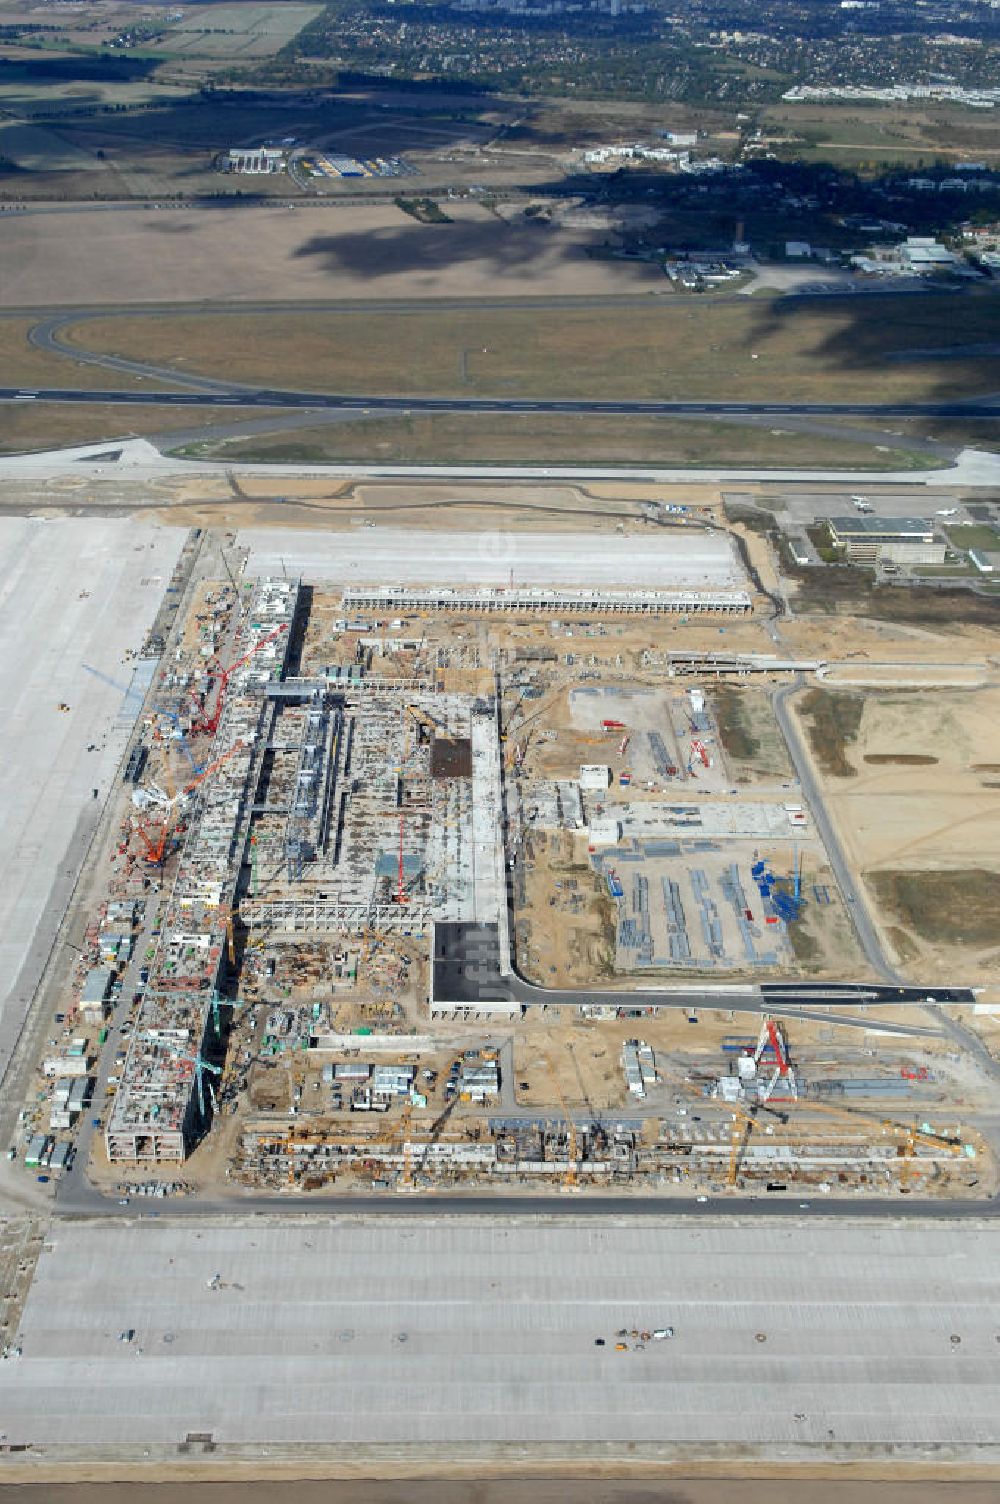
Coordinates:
(985, 408)
(356, 1331)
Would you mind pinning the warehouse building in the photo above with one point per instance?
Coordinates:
(896, 540)
(255, 159)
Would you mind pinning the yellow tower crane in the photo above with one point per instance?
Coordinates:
(571, 1179)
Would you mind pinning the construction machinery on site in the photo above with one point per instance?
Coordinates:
(200, 1067)
(427, 725)
(909, 1135)
(158, 837)
(772, 1033)
(571, 1177)
(208, 722)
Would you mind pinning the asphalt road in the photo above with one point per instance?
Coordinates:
(987, 408)
(871, 942)
(483, 1204)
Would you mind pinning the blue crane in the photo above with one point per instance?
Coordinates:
(201, 1065)
(128, 690)
(174, 718)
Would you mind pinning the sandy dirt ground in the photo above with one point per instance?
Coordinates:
(169, 255)
(941, 814)
(584, 1057)
(831, 637)
(738, 1483)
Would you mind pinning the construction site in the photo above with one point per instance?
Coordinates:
(393, 897)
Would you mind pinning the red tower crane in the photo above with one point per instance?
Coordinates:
(772, 1034)
(210, 723)
(157, 838)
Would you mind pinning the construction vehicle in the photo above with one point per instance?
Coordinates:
(908, 1134)
(151, 793)
(700, 751)
(201, 1066)
(406, 1179)
(176, 734)
(743, 1124)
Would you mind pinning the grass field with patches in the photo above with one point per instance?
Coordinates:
(543, 438)
(943, 907)
(27, 427)
(25, 366)
(762, 348)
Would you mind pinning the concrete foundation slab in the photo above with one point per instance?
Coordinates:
(415, 556)
(72, 592)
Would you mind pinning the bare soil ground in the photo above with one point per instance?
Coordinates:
(566, 929)
(923, 833)
(748, 1482)
(750, 737)
(141, 256)
(582, 1057)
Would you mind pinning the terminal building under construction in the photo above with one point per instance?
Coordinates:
(334, 803)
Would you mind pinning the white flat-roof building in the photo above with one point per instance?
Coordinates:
(604, 830)
(921, 253)
(255, 159)
(900, 540)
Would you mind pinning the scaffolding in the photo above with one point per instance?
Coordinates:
(490, 600)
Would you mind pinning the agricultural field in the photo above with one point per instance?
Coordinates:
(234, 32)
(34, 148)
(867, 136)
(760, 348)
